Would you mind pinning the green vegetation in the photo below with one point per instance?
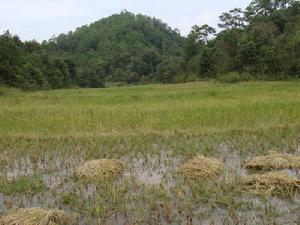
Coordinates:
(154, 129)
(23, 185)
(197, 108)
(261, 42)
(233, 77)
(121, 48)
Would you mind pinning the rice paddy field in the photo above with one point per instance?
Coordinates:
(151, 133)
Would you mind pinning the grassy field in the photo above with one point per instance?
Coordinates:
(198, 108)
(153, 128)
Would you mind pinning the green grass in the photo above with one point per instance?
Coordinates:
(254, 116)
(198, 108)
(23, 185)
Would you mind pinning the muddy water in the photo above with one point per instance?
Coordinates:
(146, 171)
(153, 169)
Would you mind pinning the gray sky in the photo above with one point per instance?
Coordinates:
(40, 19)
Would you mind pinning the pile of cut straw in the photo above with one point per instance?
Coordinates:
(202, 167)
(274, 160)
(270, 184)
(100, 169)
(35, 216)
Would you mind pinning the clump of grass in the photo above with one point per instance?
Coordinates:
(35, 216)
(70, 199)
(270, 184)
(274, 160)
(100, 169)
(22, 185)
(202, 167)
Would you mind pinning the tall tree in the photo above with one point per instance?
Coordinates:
(234, 19)
(201, 34)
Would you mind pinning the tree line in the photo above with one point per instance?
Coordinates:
(259, 42)
(262, 41)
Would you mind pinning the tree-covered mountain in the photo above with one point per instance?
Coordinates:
(261, 42)
(121, 48)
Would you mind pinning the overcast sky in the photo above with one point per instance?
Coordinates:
(41, 19)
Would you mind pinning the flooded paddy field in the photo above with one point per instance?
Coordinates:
(149, 191)
(46, 135)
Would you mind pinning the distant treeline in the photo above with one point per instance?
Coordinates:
(260, 42)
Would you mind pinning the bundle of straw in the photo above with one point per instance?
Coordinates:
(270, 184)
(273, 161)
(100, 169)
(34, 216)
(202, 167)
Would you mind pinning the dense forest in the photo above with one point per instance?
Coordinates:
(259, 42)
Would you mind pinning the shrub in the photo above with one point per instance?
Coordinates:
(233, 77)
(191, 77)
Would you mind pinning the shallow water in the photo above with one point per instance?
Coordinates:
(153, 169)
(143, 173)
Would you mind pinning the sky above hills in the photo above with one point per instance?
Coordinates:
(41, 19)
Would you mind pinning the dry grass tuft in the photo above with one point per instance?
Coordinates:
(35, 216)
(100, 169)
(202, 167)
(270, 184)
(274, 160)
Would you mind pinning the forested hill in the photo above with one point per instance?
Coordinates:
(259, 42)
(121, 48)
